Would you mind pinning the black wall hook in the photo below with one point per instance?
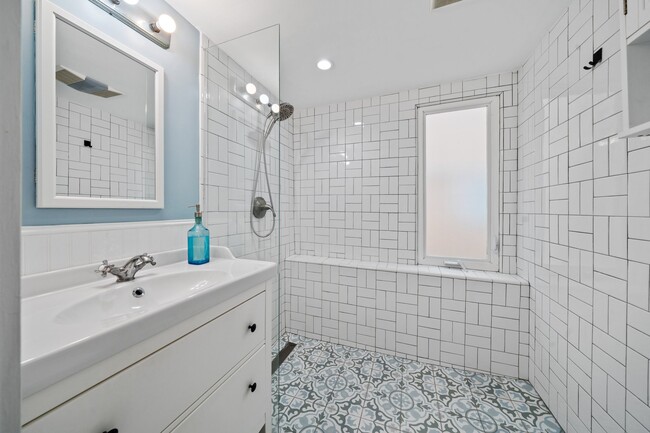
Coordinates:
(598, 57)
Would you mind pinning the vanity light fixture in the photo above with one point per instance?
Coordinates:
(275, 108)
(251, 89)
(164, 23)
(264, 99)
(157, 29)
(324, 65)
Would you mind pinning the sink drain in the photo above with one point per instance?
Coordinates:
(138, 292)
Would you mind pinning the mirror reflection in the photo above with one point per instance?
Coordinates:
(105, 120)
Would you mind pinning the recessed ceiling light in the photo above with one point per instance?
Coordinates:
(251, 88)
(324, 65)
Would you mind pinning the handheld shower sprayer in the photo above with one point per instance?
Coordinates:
(259, 206)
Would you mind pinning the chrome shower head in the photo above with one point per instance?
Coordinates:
(286, 111)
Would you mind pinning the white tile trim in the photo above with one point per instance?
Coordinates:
(437, 271)
(81, 228)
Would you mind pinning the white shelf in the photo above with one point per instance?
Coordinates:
(638, 131)
(635, 49)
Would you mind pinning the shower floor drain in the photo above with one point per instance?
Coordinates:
(283, 355)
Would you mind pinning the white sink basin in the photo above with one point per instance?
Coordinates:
(67, 330)
(118, 304)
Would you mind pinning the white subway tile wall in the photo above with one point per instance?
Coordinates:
(52, 248)
(119, 163)
(438, 316)
(584, 228)
(355, 166)
(232, 130)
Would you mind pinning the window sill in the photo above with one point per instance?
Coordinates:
(434, 271)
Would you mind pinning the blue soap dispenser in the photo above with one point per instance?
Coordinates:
(198, 240)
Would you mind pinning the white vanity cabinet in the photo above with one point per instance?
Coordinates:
(635, 61)
(215, 378)
(237, 406)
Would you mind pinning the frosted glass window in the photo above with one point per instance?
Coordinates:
(456, 185)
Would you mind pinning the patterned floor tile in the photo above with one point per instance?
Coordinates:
(330, 388)
(315, 422)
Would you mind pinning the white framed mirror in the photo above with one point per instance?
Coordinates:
(99, 118)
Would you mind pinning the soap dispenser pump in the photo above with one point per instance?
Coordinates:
(198, 240)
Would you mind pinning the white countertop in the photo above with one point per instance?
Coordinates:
(65, 330)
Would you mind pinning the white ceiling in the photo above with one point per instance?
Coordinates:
(380, 46)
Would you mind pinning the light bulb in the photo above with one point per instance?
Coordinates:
(251, 88)
(166, 23)
(324, 65)
(131, 2)
(264, 99)
(275, 108)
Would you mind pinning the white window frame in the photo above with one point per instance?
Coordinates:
(493, 142)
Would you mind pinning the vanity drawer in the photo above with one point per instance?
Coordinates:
(152, 393)
(233, 407)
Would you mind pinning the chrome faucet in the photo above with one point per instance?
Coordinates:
(130, 268)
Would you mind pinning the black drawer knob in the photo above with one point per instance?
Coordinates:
(112, 431)
(252, 387)
(253, 327)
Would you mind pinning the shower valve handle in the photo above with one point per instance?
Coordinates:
(260, 207)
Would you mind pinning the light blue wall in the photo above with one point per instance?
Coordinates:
(181, 64)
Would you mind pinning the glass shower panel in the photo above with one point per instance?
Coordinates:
(245, 128)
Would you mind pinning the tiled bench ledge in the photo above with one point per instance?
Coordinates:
(434, 271)
(469, 319)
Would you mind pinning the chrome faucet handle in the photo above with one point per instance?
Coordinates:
(130, 268)
(104, 268)
(147, 258)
